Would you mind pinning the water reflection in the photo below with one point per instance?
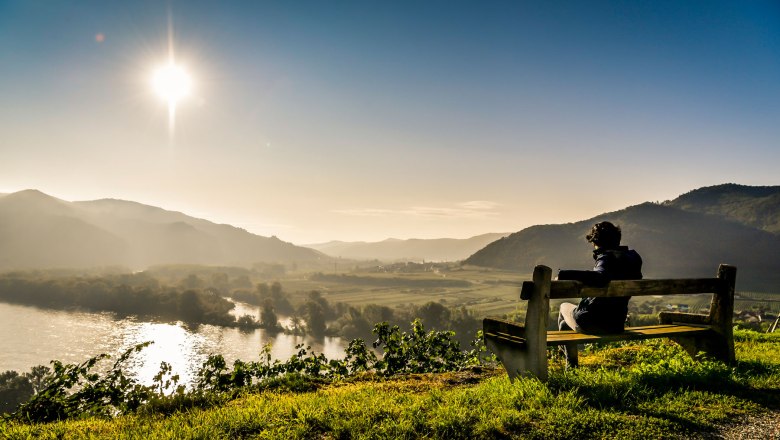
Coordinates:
(172, 344)
(34, 336)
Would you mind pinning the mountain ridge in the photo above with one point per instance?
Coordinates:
(758, 206)
(673, 241)
(413, 249)
(41, 231)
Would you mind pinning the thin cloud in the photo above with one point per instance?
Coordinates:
(471, 209)
(479, 205)
(365, 212)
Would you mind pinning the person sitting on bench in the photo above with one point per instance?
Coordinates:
(600, 315)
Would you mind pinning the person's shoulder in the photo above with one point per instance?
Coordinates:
(620, 253)
(623, 250)
(633, 254)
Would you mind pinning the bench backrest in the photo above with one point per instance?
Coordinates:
(576, 289)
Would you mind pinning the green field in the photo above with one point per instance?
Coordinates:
(486, 292)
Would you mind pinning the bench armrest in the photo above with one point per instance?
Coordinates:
(503, 326)
(527, 291)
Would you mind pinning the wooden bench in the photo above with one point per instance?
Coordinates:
(522, 349)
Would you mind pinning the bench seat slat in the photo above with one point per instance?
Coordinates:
(507, 338)
(631, 333)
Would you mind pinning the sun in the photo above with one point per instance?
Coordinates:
(172, 83)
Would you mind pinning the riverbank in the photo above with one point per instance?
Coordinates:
(41, 335)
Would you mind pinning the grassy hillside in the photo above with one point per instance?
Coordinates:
(632, 391)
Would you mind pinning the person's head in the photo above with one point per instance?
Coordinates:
(604, 235)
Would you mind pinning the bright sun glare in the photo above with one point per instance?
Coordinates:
(172, 83)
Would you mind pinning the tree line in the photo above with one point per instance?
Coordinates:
(136, 294)
(194, 299)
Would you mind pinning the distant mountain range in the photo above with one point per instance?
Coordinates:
(688, 236)
(40, 231)
(440, 249)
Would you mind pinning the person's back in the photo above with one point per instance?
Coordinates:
(613, 262)
(602, 314)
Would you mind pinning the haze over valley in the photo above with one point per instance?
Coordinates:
(40, 231)
(686, 236)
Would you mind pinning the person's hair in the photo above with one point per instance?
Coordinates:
(604, 234)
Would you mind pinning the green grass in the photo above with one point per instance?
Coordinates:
(630, 391)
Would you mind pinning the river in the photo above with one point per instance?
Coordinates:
(30, 336)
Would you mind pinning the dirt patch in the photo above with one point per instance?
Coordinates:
(765, 426)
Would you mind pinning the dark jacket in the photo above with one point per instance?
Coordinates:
(605, 315)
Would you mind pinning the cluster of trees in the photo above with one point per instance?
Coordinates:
(270, 299)
(317, 316)
(16, 388)
(359, 322)
(264, 292)
(133, 294)
(310, 316)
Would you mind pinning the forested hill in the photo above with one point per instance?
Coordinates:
(40, 231)
(673, 242)
(757, 206)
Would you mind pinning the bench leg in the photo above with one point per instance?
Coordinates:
(572, 354)
(714, 346)
(528, 358)
(516, 359)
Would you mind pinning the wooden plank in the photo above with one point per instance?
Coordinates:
(527, 290)
(683, 318)
(536, 316)
(505, 338)
(575, 289)
(722, 313)
(495, 325)
(631, 333)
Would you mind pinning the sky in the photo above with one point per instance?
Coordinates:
(345, 120)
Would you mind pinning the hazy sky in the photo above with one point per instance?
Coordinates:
(366, 120)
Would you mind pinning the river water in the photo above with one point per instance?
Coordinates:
(30, 336)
